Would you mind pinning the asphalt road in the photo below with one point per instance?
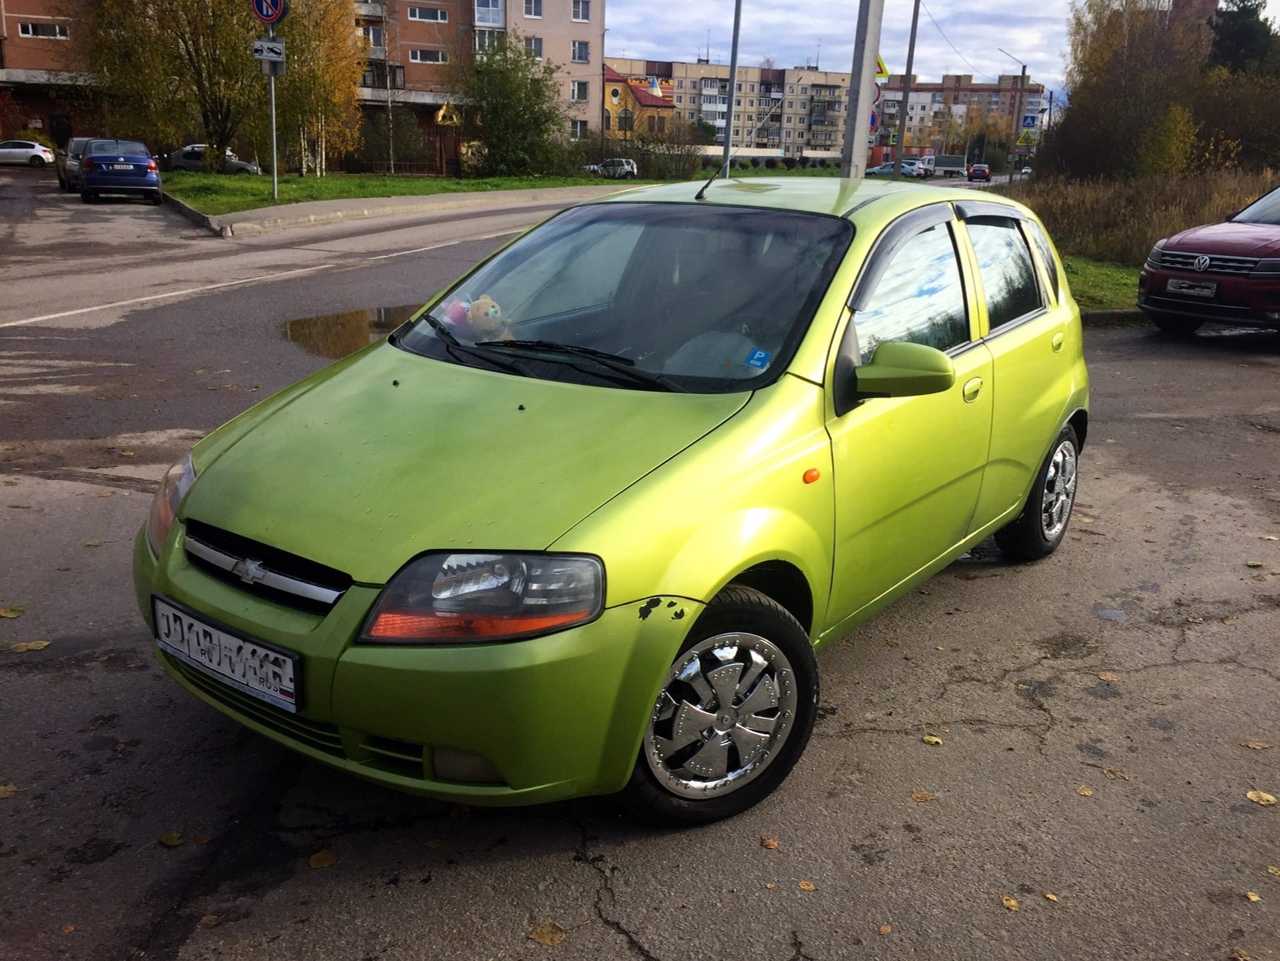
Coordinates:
(1093, 708)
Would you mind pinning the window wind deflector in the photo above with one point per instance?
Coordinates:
(974, 209)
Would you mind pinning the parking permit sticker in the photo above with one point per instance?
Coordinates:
(758, 358)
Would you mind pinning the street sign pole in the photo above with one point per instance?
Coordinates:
(271, 82)
(866, 46)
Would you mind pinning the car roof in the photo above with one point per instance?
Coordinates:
(857, 200)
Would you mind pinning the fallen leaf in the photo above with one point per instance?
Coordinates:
(22, 647)
(886, 929)
(11, 612)
(209, 920)
(1253, 563)
(1255, 745)
(771, 886)
(808, 886)
(1253, 896)
(1115, 774)
(1050, 896)
(171, 839)
(1273, 870)
(1261, 797)
(921, 796)
(1084, 790)
(932, 739)
(200, 839)
(7, 791)
(323, 858)
(92, 544)
(1239, 954)
(768, 842)
(547, 933)
(1010, 903)
(1109, 676)
(1270, 537)
(68, 928)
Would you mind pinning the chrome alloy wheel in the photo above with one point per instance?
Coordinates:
(724, 713)
(1059, 491)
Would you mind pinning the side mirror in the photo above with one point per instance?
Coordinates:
(896, 369)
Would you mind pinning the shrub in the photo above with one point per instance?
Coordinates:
(1119, 220)
(39, 136)
(771, 163)
(755, 161)
(789, 163)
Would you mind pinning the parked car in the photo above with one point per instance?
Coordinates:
(881, 170)
(980, 172)
(925, 166)
(68, 163)
(949, 165)
(119, 167)
(25, 152)
(619, 168)
(908, 168)
(645, 496)
(191, 157)
(1220, 273)
(1025, 171)
(592, 170)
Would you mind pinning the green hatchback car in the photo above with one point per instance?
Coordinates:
(579, 525)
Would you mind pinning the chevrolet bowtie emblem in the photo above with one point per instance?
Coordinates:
(249, 570)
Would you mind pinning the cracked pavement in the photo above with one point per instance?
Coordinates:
(1094, 709)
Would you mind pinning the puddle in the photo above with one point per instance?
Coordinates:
(336, 335)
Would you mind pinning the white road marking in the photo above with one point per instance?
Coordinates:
(253, 280)
(171, 293)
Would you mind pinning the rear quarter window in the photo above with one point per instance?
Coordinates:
(1045, 248)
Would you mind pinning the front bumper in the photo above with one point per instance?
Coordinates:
(554, 717)
(1244, 300)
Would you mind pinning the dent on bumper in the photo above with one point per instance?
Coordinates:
(557, 716)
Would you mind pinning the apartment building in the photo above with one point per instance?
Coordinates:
(801, 111)
(929, 119)
(41, 78)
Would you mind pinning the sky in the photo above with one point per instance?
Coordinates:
(959, 37)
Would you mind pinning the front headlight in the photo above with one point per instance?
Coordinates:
(1267, 267)
(1154, 256)
(164, 507)
(464, 598)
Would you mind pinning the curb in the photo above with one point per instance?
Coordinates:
(211, 224)
(253, 228)
(1112, 318)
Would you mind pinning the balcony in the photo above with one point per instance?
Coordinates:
(370, 11)
(375, 53)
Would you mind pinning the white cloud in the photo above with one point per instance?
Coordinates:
(792, 33)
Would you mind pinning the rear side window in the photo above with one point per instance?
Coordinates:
(1041, 240)
(1004, 262)
(919, 297)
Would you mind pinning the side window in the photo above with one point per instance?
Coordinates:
(918, 298)
(1041, 240)
(1008, 276)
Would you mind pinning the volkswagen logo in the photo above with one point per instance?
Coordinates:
(249, 570)
(1200, 263)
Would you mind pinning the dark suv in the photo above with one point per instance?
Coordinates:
(1224, 273)
(67, 162)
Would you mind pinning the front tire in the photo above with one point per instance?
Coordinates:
(734, 714)
(1043, 522)
(1175, 326)
(88, 196)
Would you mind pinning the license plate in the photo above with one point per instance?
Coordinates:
(1191, 288)
(122, 166)
(262, 672)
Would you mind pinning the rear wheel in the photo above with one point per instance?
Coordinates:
(1043, 523)
(733, 716)
(157, 198)
(36, 162)
(1175, 326)
(88, 196)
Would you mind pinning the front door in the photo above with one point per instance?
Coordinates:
(908, 469)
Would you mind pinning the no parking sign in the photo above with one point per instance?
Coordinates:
(270, 12)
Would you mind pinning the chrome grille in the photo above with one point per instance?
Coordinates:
(1217, 263)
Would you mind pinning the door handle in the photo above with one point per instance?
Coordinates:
(1058, 340)
(972, 389)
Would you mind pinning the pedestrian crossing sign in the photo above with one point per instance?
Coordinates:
(882, 72)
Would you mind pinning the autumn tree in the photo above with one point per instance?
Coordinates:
(1242, 39)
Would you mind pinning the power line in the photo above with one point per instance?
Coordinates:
(937, 26)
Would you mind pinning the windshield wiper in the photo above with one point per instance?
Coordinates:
(455, 347)
(614, 362)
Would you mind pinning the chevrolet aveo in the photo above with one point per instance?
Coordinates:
(578, 526)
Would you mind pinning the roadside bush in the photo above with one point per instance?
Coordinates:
(1118, 220)
(39, 136)
(771, 163)
(789, 163)
(755, 161)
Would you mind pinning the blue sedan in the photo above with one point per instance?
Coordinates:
(119, 167)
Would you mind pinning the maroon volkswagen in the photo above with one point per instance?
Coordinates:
(1226, 273)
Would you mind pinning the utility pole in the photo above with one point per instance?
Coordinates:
(1017, 106)
(603, 37)
(866, 45)
(733, 86)
(275, 165)
(905, 108)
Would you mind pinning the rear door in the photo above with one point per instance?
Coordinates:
(908, 469)
(1025, 328)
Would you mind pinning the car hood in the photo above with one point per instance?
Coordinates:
(1230, 238)
(391, 454)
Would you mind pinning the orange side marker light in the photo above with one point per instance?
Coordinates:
(811, 475)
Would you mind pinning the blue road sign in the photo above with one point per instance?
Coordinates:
(1028, 122)
(875, 120)
(270, 11)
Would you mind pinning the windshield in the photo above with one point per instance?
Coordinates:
(115, 147)
(708, 298)
(1264, 210)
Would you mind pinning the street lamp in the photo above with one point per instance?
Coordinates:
(1017, 105)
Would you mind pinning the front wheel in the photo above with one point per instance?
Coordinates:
(1043, 523)
(88, 196)
(733, 716)
(1175, 326)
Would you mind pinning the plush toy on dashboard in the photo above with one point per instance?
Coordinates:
(479, 319)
